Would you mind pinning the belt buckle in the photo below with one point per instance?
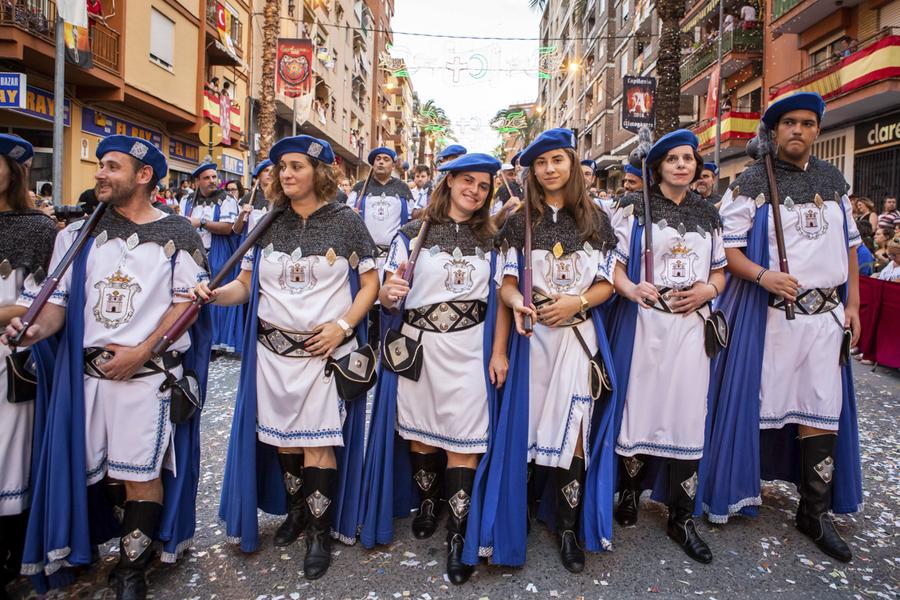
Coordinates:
(812, 301)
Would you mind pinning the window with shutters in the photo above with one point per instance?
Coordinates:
(162, 39)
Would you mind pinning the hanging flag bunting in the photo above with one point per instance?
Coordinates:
(78, 46)
(712, 94)
(294, 65)
(639, 106)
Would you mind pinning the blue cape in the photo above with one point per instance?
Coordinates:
(253, 478)
(390, 492)
(738, 454)
(227, 321)
(68, 517)
(503, 524)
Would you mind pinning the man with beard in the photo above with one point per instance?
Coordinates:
(108, 439)
(213, 212)
(509, 195)
(254, 205)
(706, 185)
(633, 181)
(422, 190)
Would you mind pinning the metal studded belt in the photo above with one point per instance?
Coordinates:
(539, 299)
(96, 357)
(814, 301)
(445, 317)
(665, 294)
(284, 342)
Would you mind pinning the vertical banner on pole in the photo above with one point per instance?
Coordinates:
(294, 68)
(78, 46)
(712, 94)
(639, 105)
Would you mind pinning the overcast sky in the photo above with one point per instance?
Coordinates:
(489, 74)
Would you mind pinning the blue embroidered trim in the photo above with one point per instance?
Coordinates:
(443, 438)
(668, 448)
(6, 495)
(100, 466)
(621, 256)
(57, 294)
(157, 446)
(549, 451)
(718, 264)
(798, 415)
(298, 434)
(735, 239)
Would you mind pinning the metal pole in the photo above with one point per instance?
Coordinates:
(59, 110)
(294, 102)
(719, 83)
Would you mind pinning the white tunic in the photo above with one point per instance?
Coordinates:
(296, 404)
(801, 381)
(447, 407)
(227, 214)
(127, 292)
(560, 405)
(665, 405)
(16, 420)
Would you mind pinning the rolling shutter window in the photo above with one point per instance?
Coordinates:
(162, 38)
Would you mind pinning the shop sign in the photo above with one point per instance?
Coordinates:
(883, 131)
(39, 104)
(102, 124)
(12, 90)
(230, 164)
(183, 151)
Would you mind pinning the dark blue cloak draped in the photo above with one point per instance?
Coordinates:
(227, 321)
(67, 516)
(503, 524)
(390, 492)
(738, 453)
(253, 478)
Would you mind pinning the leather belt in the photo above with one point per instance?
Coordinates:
(539, 299)
(662, 305)
(445, 317)
(814, 301)
(284, 342)
(95, 358)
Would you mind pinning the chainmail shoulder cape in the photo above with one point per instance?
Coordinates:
(172, 232)
(547, 232)
(820, 177)
(502, 195)
(394, 187)
(259, 201)
(334, 227)
(26, 241)
(448, 236)
(216, 197)
(693, 214)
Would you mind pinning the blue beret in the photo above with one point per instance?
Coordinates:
(452, 150)
(589, 163)
(139, 148)
(304, 144)
(679, 137)
(15, 147)
(633, 170)
(799, 101)
(204, 167)
(552, 139)
(262, 167)
(711, 166)
(380, 150)
(478, 162)
(515, 158)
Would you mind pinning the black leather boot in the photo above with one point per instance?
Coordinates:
(12, 542)
(681, 526)
(630, 468)
(139, 525)
(295, 522)
(813, 517)
(426, 469)
(568, 509)
(459, 482)
(319, 486)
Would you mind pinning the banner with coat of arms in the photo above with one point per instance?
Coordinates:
(294, 65)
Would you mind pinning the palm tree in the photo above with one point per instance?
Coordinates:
(271, 27)
(434, 128)
(668, 63)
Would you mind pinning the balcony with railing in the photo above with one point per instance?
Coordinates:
(737, 128)
(740, 48)
(225, 33)
(865, 81)
(795, 16)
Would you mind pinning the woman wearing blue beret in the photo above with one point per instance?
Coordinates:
(309, 282)
(660, 338)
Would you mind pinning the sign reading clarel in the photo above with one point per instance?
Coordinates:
(883, 131)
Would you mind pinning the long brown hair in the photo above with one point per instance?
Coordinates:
(324, 183)
(17, 196)
(438, 209)
(587, 215)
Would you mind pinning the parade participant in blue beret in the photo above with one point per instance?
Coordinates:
(254, 204)
(552, 417)
(26, 241)
(386, 206)
(706, 185)
(661, 342)
(786, 407)
(589, 172)
(296, 443)
(508, 197)
(444, 414)
(110, 439)
(451, 152)
(633, 180)
(213, 212)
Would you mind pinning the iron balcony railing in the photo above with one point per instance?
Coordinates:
(738, 40)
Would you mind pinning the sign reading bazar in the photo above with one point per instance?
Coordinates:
(102, 124)
(883, 131)
(638, 102)
(12, 90)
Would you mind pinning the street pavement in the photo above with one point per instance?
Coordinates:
(754, 558)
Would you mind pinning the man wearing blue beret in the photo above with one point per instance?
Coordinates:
(785, 405)
(633, 181)
(213, 212)
(110, 440)
(450, 153)
(706, 184)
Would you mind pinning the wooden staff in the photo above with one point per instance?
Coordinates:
(362, 191)
(643, 149)
(50, 284)
(187, 317)
(527, 279)
(407, 274)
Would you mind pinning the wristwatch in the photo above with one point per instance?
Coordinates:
(585, 305)
(202, 223)
(348, 331)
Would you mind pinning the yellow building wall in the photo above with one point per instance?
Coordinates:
(178, 86)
